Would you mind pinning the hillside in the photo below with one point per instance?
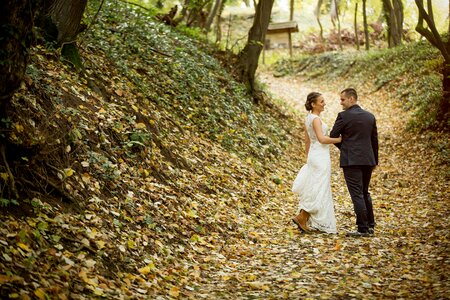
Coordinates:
(133, 169)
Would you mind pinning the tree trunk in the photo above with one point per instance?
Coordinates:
(444, 109)
(212, 14)
(393, 12)
(398, 12)
(366, 27)
(16, 22)
(356, 26)
(317, 14)
(249, 56)
(218, 21)
(66, 15)
(335, 15)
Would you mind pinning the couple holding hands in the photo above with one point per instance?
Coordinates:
(355, 134)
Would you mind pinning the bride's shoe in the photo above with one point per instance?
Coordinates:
(298, 224)
(301, 220)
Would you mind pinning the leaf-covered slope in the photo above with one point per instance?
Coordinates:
(134, 170)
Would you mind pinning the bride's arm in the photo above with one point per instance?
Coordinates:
(307, 142)
(317, 126)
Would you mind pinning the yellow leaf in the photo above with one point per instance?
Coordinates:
(135, 108)
(100, 244)
(140, 125)
(119, 92)
(98, 292)
(338, 246)
(192, 213)
(19, 127)
(174, 292)
(86, 178)
(131, 244)
(4, 176)
(147, 269)
(24, 247)
(259, 285)
(226, 277)
(68, 172)
(40, 294)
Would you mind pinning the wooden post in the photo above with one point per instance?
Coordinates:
(290, 43)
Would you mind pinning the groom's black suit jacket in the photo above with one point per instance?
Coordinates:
(359, 145)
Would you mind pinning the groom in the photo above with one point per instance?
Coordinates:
(359, 156)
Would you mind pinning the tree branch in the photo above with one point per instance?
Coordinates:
(431, 34)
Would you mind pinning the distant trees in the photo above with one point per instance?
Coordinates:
(249, 56)
(433, 36)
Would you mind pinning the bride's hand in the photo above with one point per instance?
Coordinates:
(339, 139)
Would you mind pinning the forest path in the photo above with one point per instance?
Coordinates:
(408, 257)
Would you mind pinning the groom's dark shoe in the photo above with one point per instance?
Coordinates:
(358, 234)
(371, 231)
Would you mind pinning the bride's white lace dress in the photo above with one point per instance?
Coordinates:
(312, 183)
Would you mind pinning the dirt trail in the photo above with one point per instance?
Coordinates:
(407, 258)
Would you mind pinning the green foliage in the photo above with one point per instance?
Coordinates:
(177, 74)
(7, 202)
(410, 73)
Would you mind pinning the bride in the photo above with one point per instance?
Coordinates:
(312, 184)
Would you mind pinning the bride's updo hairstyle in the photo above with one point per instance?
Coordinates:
(310, 99)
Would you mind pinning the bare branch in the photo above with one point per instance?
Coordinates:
(430, 33)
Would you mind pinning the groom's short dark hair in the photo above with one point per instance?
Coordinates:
(350, 92)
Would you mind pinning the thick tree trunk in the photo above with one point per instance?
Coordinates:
(393, 12)
(16, 22)
(366, 27)
(66, 15)
(398, 12)
(249, 56)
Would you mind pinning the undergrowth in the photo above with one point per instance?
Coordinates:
(410, 73)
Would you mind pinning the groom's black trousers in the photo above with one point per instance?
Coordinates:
(358, 179)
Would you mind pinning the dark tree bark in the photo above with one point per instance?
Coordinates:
(356, 26)
(393, 12)
(66, 16)
(366, 27)
(249, 56)
(433, 36)
(16, 22)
